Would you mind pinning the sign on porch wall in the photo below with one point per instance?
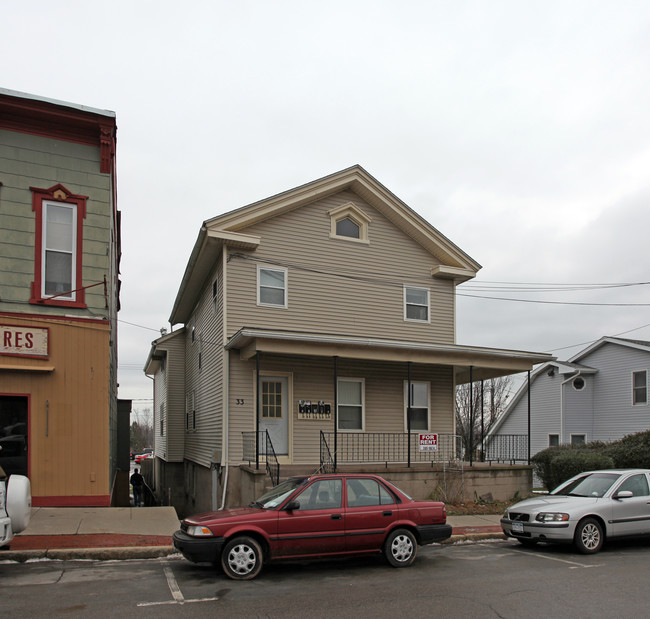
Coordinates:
(314, 410)
(428, 442)
(24, 341)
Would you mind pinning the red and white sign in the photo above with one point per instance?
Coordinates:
(428, 442)
(24, 341)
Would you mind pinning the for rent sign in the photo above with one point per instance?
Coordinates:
(24, 341)
(428, 442)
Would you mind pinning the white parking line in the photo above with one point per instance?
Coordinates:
(175, 590)
(574, 564)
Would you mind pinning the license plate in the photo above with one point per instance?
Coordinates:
(517, 527)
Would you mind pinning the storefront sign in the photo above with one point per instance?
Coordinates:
(24, 341)
(428, 442)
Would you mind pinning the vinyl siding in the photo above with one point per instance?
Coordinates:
(313, 379)
(206, 382)
(614, 414)
(32, 161)
(335, 285)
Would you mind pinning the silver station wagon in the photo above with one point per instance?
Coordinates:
(585, 510)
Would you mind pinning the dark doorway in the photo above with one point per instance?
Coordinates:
(13, 434)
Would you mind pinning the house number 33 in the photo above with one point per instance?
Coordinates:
(240, 402)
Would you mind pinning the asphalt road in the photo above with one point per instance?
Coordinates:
(489, 579)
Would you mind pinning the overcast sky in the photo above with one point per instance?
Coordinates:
(520, 130)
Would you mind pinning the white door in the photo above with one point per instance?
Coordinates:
(274, 413)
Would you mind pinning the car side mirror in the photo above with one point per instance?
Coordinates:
(624, 494)
(292, 506)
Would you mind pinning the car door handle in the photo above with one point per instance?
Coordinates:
(387, 514)
(336, 516)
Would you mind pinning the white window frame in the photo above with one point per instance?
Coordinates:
(73, 253)
(549, 439)
(354, 213)
(406, 404)
(577, 434)
(362, 381)
(285, 289)
(634, 372)
(428, 306)
(190, 411)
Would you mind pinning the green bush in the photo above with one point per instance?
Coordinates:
(632, 451)
(566, 465)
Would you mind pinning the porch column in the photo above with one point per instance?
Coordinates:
(529, 417)
(336, 410)
(258, 408)
(471, 414)
(408, 415)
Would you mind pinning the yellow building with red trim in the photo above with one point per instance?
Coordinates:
(59, 297)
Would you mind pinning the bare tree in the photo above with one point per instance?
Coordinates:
(478, 406)
(141, 430)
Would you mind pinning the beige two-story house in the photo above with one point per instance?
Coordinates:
(315, 328)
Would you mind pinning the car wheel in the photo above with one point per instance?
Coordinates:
(588, 537)
(400, 548)
(242, 558)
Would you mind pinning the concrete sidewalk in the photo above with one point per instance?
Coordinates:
(145, 532)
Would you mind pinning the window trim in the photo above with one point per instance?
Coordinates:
(557, 436)
(577, 434)
(349, 210)
(41, 198)
(406, 404)
(285, 289)
(634, 388)
(362, 381)
(428, 306)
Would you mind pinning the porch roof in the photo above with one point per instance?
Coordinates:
(485, 362)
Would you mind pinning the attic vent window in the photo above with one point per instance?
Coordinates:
(347, 227)
(349, 222)
(578, 383)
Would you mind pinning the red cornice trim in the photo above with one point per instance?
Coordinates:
(42, 317)
(50, 120)
(93, 500)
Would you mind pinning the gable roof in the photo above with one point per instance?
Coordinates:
(229, 229)
(636, 344)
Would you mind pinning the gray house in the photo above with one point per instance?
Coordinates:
(600, 394)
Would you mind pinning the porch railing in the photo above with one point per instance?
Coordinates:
(386, 447)
(506, 448)
(249, 446)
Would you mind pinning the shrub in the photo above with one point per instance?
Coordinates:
(566, 465)
(632, 451)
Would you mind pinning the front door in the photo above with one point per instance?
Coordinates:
(274, 413)
(13, 434)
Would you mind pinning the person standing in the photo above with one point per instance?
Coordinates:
(137, 481)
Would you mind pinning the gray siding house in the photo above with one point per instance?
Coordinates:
(600, 394)
(323, 318)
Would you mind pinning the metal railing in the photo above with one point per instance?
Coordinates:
(506, 448)
(266, 449)
(386, 447)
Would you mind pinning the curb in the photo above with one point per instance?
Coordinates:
(473, 537)
(91, 554)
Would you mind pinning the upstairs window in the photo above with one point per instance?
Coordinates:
(640, 387)
(271, 286)
(59, 237)
(348, 227)
(416, 304)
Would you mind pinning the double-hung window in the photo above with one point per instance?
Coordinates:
(58, 270)
(416, 304)
(419, 405)
(271, 286)
(640, 387)
(350, 403)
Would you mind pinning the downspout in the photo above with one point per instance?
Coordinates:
(225, 376)
(564, 382)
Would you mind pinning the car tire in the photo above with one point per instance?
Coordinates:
(400, 548)
(242, 558)
(589, 536)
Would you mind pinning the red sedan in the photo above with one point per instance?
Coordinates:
(314, 517)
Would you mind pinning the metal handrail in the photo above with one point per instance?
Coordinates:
(249, 444)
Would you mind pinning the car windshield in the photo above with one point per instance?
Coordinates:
(592, 485)
(277, 495)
